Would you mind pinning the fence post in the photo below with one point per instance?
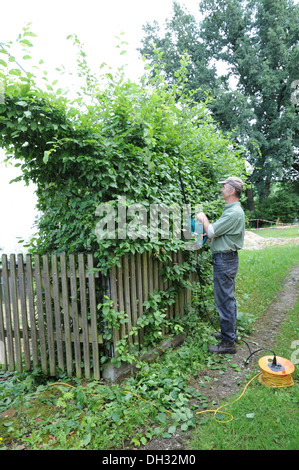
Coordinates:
(74, 315)
(49, 317)
(133, 293)
(83, 310)
(3, 358)
(93, 315)
(114, 297)
(66, 314)
(40, 313)
(139, 293)
(127, 298)
(31, 306)
(22, 292)
(6, 294)
(56, 305)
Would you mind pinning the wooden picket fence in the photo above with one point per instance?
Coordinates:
(50, 315)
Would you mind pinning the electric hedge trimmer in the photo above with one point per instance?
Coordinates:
(195, 228)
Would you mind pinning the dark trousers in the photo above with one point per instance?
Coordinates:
(225, 270)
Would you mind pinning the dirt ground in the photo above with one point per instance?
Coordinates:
(265, 331)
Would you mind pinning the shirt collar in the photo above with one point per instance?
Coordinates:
(228, 206)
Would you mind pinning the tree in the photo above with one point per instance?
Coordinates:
(258, 42)
(181, 35)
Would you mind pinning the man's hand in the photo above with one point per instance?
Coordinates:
(202, 218)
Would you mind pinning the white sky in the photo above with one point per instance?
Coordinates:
(96, 23)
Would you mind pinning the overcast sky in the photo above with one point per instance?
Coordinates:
(96, 23)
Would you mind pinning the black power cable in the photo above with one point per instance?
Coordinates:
(274, 361)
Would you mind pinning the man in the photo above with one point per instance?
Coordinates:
(227, 237)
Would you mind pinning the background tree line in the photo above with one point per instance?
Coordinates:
(254, 92)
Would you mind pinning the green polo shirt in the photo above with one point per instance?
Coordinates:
(229, 229)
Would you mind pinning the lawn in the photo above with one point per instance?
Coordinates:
(278, 232)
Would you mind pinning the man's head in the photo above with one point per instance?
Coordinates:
(232, 188)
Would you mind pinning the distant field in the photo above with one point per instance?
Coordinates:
(279, 232)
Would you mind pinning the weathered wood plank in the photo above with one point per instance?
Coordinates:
(49, 317)
(51, 308)
(8, 320)
(93, 318)
(56, 303)
(127, 298)
(176, 311)
(83, 314)
(23, 303)
(40, 313)
(114, 297)
(121, 302)
(3, 355)
(145, 281)
(15, 312)
(31, 306)
(150, 273)
(139, 294)
(162, 287)
(181, 294)
(66, 314)
(74, 315)
(133, 293)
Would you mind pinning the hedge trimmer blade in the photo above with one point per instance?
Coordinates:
(195, 227)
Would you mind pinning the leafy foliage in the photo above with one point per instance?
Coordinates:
(282, 204)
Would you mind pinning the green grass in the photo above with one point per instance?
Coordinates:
(94, 415)
(264, 418)
(259, 278)
(275, 232)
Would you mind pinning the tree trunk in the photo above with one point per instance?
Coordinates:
(267, 189)
(250, 200)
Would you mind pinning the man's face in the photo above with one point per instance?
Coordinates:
(226, 191)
